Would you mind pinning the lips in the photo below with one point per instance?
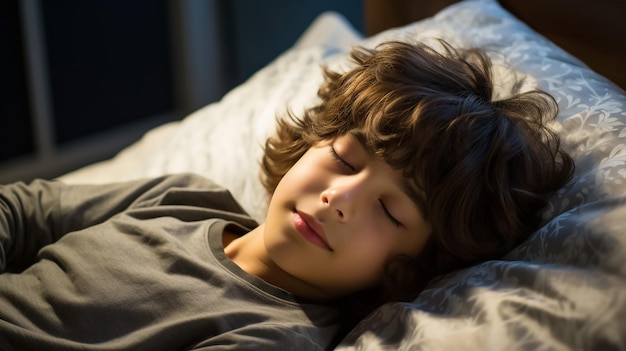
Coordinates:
(310, 229)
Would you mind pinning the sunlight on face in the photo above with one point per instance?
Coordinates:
(339, 216)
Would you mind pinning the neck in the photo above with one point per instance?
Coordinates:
(250, 254)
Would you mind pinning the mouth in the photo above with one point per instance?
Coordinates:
(308, 227)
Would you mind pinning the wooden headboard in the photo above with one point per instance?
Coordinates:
(593, 31)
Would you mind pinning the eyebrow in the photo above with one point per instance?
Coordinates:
(412, 193)
(405, 185)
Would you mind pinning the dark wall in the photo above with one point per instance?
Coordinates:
(109, 63)
(261, 30)
(15, 114)
(83, 79)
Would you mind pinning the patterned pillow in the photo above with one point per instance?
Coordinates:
(565, 287)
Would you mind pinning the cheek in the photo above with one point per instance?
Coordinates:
(367, 253)
(290, 183)
(304, 175)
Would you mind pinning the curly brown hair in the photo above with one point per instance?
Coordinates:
(484, 168)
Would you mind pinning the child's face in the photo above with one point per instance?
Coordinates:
(339, 216)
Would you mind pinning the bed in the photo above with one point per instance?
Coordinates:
(563, 288)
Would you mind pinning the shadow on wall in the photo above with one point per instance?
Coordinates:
(259, 31)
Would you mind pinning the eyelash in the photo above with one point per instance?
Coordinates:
(393, 220)
(343, 162)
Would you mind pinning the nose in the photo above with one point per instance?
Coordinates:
(345, 199)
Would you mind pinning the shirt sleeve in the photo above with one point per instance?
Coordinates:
(39, 213)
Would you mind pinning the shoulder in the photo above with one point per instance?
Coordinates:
(188, 180)
(187, 189)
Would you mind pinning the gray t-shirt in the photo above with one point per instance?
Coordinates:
(139, 266)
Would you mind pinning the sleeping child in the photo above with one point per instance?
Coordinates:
(407, 169)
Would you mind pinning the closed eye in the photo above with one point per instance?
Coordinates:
(338, 158)
(393, 219)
